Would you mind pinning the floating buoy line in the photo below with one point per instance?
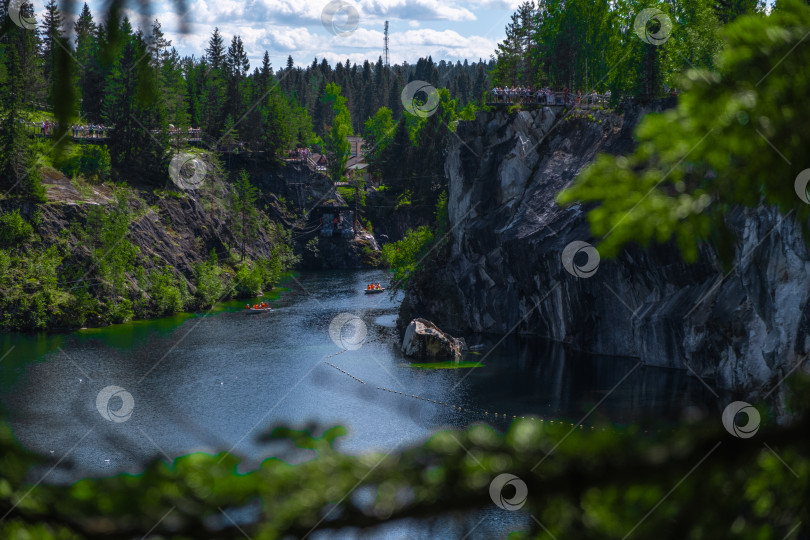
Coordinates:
(346, 372)
(488, 415)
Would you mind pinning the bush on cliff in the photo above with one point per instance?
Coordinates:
(208, 281)
(254, 278)
(14, 229)
(405, 256)
(88, 160)
(166, 294)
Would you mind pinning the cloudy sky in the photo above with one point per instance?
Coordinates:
(446, 29)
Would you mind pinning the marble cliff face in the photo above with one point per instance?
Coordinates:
(502, 272)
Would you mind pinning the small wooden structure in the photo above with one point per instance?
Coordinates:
(337, 221)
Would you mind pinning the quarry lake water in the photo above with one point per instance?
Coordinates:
(217, 381)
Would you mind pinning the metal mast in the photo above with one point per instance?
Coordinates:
(385, 51)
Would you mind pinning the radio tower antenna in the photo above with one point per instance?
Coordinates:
(385, 50)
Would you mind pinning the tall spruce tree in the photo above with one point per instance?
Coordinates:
(51, 31)
(19, 173)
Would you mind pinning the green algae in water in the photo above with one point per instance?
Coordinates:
(447, 365)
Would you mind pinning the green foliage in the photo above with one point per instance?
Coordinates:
(403, 199)
(347, 193)
(58, 285)
(582, 44)
(283, 248)
(412, 164)
(256, 277)
(336, 143)
(734, 139)
(441, 215)
(114, 255)
(586, 482)
(5, 266)
(405, 256)
(131, 104)
(166, 294)
(244, 215)
(91, 161)
(14, 229)
(208, 281)
(30, 297)
(311, 247)
(19, 77)
(468, 112)
(378, 133)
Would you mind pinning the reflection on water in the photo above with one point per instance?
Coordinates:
(217, 382)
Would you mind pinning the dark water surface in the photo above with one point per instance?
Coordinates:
(217, 381)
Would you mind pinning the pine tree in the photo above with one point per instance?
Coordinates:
(132, 105)
(51, 30)
(18, 170)
(243, 211)
(89, 79)
(236, 68)
(265, 74)
(513, 52)
(158, 46)
(215, 52)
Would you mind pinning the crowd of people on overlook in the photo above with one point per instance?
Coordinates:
(88, 131)
(47, 128)
(545, 95)
(300, 153)
(192, 132)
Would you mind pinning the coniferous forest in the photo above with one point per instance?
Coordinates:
(558, 290)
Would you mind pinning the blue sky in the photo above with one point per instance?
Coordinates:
(446, 29)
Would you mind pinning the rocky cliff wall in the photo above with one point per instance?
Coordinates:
(502, 270)
(181, 229)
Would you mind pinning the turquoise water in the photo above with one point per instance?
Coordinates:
(217, 381)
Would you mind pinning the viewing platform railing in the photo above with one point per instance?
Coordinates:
(550, 99)
(91, 132)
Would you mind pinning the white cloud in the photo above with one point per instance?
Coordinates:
(450, 30)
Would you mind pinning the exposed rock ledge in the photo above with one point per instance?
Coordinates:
(423, 339)
(744, 330)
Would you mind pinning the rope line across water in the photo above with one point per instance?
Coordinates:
(458, 408)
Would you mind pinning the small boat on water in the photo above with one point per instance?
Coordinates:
(258, 310)
(374, 291)
(264, 307)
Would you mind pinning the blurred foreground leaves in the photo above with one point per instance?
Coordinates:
(695, 482)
